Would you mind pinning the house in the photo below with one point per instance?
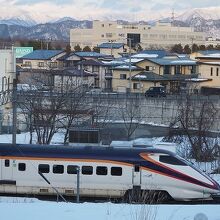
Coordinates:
(43, 59)
(113, 49)
(173, 72)
(122, 77)
(102, 71)
(93, 55)
(209, 67)
(71, 78)
(59, 79)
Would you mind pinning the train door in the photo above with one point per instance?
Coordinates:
(136, 175)
(6, 170)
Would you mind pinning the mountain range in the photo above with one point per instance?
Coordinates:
(206, 20)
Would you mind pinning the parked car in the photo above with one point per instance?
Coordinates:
(156, 91)
(95, 91)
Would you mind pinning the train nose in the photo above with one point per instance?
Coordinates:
(216, 185)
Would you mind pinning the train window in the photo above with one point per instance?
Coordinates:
(116, 171)
(101, 171)
(171, 160)
(59, 169)
(72, 169)
(21, 166)
(7, 163)
(44, 168)
(136, 168)
(87, 170)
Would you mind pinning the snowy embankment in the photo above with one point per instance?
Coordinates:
(26, 209)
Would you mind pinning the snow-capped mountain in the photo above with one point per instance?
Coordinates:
(52, 31)
(206, 20)
(212, 13)
(26, 27)
(22, 20)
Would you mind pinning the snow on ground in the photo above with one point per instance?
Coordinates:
(26, 209)
(24, 138)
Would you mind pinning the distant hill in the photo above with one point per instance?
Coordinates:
(206, 20)
(58, 30)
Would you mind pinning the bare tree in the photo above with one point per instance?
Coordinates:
(47, 112)
(195, 119)
(130, 114)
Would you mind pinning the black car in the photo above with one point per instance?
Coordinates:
(156, 91)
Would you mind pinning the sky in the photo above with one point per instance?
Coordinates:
(42, 10)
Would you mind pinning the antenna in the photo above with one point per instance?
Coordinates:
(173, 17)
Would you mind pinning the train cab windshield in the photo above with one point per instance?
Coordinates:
(173, 160)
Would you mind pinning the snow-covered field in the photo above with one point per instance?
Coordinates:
(33, 209)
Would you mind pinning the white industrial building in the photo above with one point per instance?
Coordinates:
(162, 35)
(7, 75)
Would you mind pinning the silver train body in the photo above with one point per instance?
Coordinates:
(104, 172)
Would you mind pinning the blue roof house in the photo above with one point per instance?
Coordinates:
(42, 59)
(113, 48)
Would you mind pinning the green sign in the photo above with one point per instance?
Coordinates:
(21, 51)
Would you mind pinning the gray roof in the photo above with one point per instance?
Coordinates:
(154, 77)
(111, 45)
(208, 52)
(91, 62)
(73, 72)
(91, 54)
(126, 67)
(42, 54)
(173, 62)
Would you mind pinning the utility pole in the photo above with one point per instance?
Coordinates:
(14, 111)
(129, 43)
(14, 101)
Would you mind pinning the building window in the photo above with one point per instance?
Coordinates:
(121, 35)
(71, 169)
(167, 70)
(102, 35)
(27, 63)
(7, 163)
(41, 64)
(43, 168)
(21, 166)
(149, 68)
(211, 71)
(101, 171)
(116, 171)
(103, 25)
(87, 170)
(123, 76)
(216, 71)
(109, 35)
(53, 64)
(95, 69)
(136, 85)
(59, 169)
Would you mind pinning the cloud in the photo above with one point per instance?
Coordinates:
(197, 3)
(44, 10)
(31, 2)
